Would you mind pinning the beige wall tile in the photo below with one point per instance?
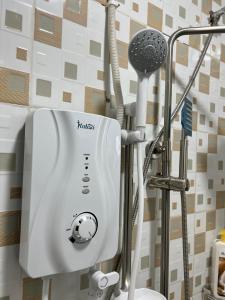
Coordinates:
(135, 27)
(48, 28)
(190, 203)
(157, 255)
(176, 139)
(221, 126)
(195, 41)
(215, 68)
(194, 120)
(94, 101)
(43, 88)
(123, 54)
(9, 228)
(222, 54)
(95, 48)
(212, 143)
(100, 75)
(13, 20)
(135, 7)
(206, 6)
(77, 15)
(14, 86)
(152, 113)
(32, 289)
(70, 71)
(204, 82)
(182, 54)
(175, 228)
(211, 220)
(201, 162)
(8, 162)
(199, 243)
(155, 16)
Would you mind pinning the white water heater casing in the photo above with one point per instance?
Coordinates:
(71, 187)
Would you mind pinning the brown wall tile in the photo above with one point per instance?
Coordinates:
(16, 192)
(194, 120)
(157, 255)
(195, 41)
(215, 68)
(175, 228)
(212, 143)
(220, 199)
(123, 54)
(135, 27)
(53, 38)
(100, 75)
(155, 16)
(152, 113)
(199, 245)
(94, 101)
(9, 228)
(21, 54)
(204, 82)
(149, 209)
(211, 220)
(201, 162)
(14, 86)
(190, 203)
(182, 54)
(221, 126)
(67, 97)
(80, 16)
(32, 289)
(176, 139)
(206, 6)
(222, 55)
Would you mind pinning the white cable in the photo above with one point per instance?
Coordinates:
(115, 61)
(45, 288)
(137, 250)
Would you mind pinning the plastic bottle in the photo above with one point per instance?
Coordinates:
(218, 267)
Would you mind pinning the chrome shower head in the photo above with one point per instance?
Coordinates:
(147, 51)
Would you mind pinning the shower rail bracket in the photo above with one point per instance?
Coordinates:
(169, 183)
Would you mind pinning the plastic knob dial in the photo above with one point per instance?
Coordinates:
(85, 227)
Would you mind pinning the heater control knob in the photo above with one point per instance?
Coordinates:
(85, 227)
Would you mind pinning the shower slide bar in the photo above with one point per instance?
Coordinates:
(167, 147)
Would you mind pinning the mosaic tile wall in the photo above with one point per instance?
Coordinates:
(51, 55)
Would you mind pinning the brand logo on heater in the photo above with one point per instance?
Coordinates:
(85, 126)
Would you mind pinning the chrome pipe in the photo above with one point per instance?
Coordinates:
(166, 143)
(183, 175)
(128, 205)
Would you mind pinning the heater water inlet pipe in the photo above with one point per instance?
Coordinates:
(112, 6)
(137, 250)
(45, 288)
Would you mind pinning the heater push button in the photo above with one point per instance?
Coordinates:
(85, 191)
(85, 227)
(86, 179)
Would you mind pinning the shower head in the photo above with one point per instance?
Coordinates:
(147, 51)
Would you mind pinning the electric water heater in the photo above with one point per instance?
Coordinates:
(71, 186)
